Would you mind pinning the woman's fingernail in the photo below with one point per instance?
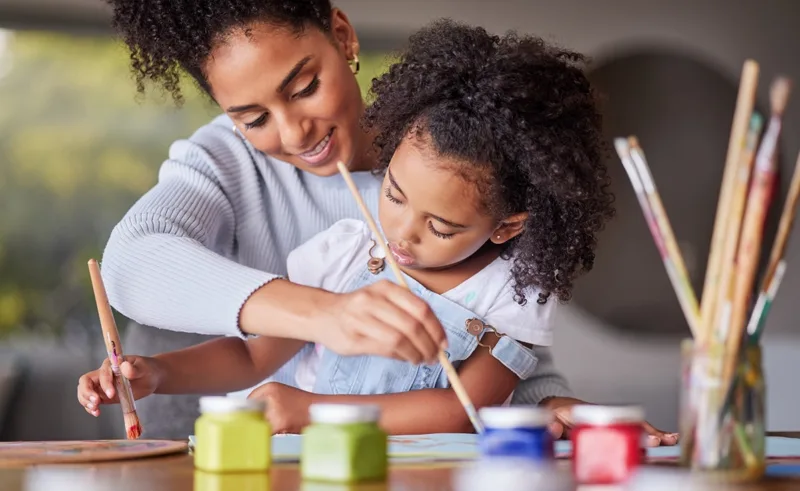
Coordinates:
(109, 393)
(90, 406)
(93, 398)
(654, 440)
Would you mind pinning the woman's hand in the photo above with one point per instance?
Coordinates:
(381, 319)
(97, 387)
(562, 408)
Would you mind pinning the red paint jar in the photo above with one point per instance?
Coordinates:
(606, 443)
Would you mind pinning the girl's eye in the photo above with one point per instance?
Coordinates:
(390, 197)
(441, 235)
(256, 123)
(309, 90)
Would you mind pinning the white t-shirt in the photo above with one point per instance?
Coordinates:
(332, 259)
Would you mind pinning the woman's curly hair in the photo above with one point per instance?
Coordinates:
(167, 36)
(522, 115)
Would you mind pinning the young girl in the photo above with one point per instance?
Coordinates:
(494, 190)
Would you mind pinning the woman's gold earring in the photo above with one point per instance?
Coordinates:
(355, 65)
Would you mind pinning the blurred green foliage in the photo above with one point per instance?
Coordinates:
(77, 148)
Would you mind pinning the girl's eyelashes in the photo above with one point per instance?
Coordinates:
(388, 192)
(309, 90)
(441, 235)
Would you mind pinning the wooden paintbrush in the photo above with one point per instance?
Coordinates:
(686, 298)
(684, 289)
(776, 265)
(733, 228)
(133, 428)
(760, 196)
(744, 107)
(452, 375)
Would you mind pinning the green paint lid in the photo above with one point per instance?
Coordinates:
(339, 414)
(222, 404)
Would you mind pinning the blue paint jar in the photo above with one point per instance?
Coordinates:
(517, 432)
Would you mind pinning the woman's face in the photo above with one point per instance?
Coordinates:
(293, 95)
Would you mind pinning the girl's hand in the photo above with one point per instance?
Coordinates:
(97, 387)
(382, 319)
(562, 408)
(287, 407)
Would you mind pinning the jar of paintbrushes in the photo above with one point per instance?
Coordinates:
(722, 414)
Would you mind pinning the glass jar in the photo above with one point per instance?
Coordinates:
(722, 422)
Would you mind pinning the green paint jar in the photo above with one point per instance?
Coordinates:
(232, 435)
(343, 444)
(231, 481)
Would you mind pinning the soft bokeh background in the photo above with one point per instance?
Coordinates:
(77, 148)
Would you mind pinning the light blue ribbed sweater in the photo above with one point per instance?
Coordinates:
(218, 225)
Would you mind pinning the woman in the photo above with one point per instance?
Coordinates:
(203, 251)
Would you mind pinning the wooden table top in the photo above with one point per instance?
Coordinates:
(177, 473)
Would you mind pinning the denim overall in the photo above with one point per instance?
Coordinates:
(350, 375)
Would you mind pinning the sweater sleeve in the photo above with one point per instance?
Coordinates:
(546, 381)
(167, 262)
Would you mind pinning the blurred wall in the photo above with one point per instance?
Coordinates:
(669, 71)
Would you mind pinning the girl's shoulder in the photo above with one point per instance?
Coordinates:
(491, 294)
(331, 258)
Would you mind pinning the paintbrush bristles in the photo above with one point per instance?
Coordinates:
(133, 428)
(779, 95)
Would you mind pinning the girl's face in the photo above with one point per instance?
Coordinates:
(293, 95)
(432, 217)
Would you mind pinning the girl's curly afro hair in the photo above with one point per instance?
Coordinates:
(522, 117)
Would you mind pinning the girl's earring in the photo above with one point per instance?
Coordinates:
(237, 132)
(375, 264)
(355, 65)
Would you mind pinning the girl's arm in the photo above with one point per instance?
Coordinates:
(214, 367)
(485, 379)
(222, 365)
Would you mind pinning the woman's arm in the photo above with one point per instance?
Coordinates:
(545, 383)
(167, 264)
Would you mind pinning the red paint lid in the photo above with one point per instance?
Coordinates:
(607, 415)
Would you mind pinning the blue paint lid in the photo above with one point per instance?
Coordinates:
(515, 417)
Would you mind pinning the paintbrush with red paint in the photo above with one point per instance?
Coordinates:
(133, 428)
